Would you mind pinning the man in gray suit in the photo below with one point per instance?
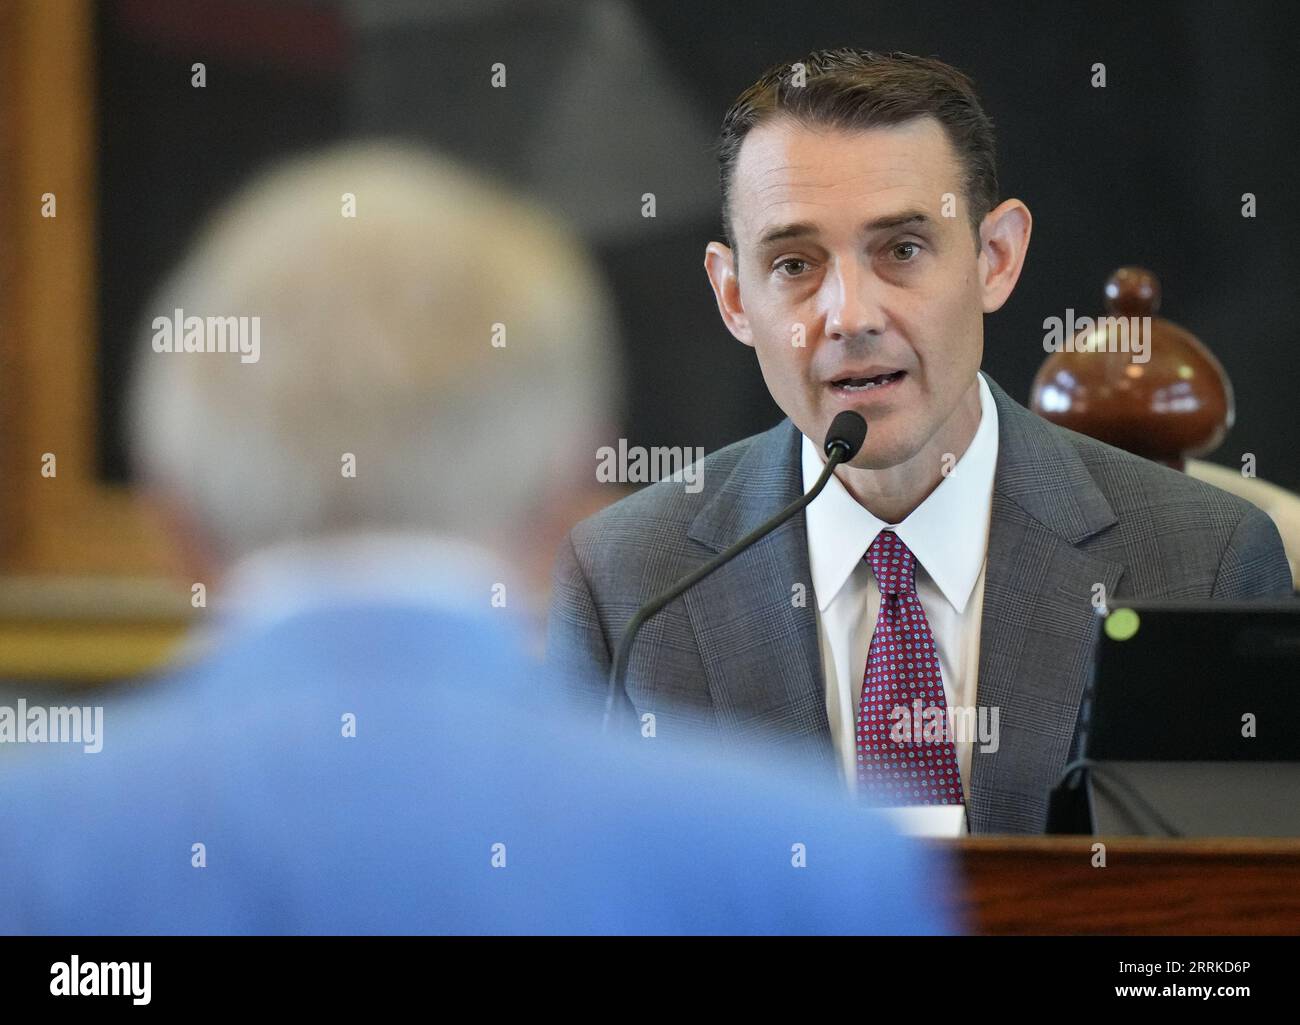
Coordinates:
(925, 627)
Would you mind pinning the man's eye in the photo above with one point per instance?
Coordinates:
(905, 251)
(799, 266)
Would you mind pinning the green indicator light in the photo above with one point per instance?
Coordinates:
(1121, 624)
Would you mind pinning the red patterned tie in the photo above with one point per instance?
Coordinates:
(896, 764)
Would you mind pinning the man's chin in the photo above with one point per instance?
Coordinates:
(881, 457)
(887, 445)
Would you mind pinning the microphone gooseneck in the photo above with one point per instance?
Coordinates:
(848, 432)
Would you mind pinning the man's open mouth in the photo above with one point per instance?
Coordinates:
(852, 384)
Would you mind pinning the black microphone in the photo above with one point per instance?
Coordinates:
(847, 433)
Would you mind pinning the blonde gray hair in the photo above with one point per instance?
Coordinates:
(377, 339)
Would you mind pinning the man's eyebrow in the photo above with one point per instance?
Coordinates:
(781, 232)
(801, 229)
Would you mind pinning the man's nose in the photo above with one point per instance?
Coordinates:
(852, 303)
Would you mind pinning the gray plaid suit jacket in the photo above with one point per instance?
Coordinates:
(737, 659)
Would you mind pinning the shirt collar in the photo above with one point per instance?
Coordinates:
(947, 533)
(412, 568)
(436, 573)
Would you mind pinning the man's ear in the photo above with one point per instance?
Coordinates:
(1004, 240)
(720, 265)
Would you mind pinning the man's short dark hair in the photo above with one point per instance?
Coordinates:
(858, 90)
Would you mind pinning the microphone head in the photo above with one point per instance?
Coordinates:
(848, 432)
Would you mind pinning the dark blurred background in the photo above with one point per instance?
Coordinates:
(610, 99)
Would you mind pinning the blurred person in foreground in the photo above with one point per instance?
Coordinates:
(362, 744)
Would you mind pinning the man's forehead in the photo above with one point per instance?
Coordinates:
(784, 164)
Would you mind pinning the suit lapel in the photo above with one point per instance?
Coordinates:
(759, 645)
(1039, 623)
(755, 619)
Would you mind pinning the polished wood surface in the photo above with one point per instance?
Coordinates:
(83, 630)
(74, 522)
(1048, 885)
(1172, 402)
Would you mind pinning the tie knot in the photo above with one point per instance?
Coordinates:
(893, 564)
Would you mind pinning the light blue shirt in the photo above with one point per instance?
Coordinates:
(232, 797)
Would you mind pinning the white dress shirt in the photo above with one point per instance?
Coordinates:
(948, 535)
